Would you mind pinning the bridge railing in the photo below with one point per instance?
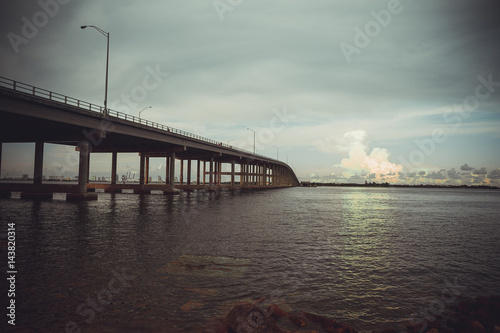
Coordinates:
(96, 109)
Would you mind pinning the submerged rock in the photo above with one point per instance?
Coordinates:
(262, 316)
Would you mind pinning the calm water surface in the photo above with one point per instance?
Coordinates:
(369, 257)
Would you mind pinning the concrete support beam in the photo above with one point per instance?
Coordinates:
(189, 173)
(232, 173)
(198, 172)
(146, 171)
(219, 173)
(83, 175)
(204, 172)
(83, 166)
(181, 172)
(1, 144)
(114, 157)
(167, 170)
(141, 169)
(211, 174)
(172, 172)
(38, 172)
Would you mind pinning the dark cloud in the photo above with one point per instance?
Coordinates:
(441, 174)
(481, 171)
(453, 174)
(494, 174)
(466, 167)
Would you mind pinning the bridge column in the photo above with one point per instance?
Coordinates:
(83, 172)
(204, 172)
(242, 174)
(142, 174)
(198, 162)
(172, 173)
(83, 167)
(245, 174)
(146, 171)
(263, 179)
(181, 173)
(219, 173)
(167, 169)
(114, 156)
(38, 173)
(189, 173)
(211, 175)
(36, 192)
(232, 173)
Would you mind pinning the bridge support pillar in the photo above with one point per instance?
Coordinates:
(83, 171)
(141, 169)
(114, 157)
(181, 173)
(146, 170)
(232, 174)
(167, 170)
(189, 174)
(172, 173)
(211, 175)
(38, 173)
(83, 167)
(198, 172)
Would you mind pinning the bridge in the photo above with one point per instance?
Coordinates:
(39, 116)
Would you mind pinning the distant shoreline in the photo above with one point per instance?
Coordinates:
(307, 184)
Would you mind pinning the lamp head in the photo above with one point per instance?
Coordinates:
(83, 26)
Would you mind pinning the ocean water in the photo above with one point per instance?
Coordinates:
(368, 257)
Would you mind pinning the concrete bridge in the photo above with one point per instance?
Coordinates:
(31, 114)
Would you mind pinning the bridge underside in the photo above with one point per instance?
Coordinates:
(201, 165)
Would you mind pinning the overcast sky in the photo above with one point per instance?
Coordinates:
(347, 90)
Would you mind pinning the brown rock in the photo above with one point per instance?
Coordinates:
(326, 323)
(465, 306)
(389, 330)
(297, 320)
(249, 318)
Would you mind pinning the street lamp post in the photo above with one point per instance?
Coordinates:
(277, 153)
(248, 128)
(286, 158)
(106, 34)
(147, 107)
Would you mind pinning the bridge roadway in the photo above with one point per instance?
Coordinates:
(31, 114)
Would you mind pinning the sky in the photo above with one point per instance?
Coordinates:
(344, 91)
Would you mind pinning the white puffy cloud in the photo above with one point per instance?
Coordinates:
(376, 162)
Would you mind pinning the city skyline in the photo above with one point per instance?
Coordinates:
(395, 91)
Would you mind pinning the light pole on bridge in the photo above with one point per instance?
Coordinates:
(106, 34)
(248, 128)
(277, 153)
(147, 107)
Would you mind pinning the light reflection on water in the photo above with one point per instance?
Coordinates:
(369, 257)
